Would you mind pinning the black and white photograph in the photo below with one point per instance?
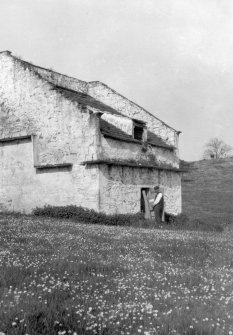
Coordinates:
(116, 167)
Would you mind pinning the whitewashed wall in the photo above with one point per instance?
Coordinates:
(121, 188)
(170, 183)
(64, 132)
(121, 150)
(128, 108)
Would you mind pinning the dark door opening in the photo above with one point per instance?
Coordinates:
(144, 193)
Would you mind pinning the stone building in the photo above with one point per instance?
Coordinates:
(65, 141)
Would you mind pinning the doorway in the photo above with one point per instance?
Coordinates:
(145, 209)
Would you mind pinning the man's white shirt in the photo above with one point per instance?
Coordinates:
(157, 199)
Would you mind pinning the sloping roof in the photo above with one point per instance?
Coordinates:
(157, 141)
(80, 97)
(72, 83)
(85, 100)
(109, 130)
(112, 91)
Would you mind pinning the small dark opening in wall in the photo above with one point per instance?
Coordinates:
(138, 132)
(15, 140)
(53, 168)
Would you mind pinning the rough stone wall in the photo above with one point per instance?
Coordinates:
(123, 123)
(23, 187)
(119, 150)
(30, 105)
(170, 183)
(64, 132)
(61, 79)
(111, 98)
(121, 188)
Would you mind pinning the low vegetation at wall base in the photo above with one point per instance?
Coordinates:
(89, 216)
(80, 214)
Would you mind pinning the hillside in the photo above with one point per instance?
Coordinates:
(207, 190)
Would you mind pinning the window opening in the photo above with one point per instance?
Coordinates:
(138, 132)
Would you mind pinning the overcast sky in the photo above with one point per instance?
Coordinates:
(173, 57)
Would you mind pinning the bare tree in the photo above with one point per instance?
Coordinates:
(217, 148)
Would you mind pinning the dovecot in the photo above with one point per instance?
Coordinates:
(64, 141)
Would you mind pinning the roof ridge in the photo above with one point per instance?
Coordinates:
(112, 131)
(87, 84)
(29, 65)
(41, 67)
(121, 95)
(93, 102)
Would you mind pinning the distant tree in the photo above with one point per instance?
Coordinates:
(217, 148)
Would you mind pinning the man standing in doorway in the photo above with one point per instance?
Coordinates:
(158, 205)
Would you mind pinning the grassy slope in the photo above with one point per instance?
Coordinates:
(208, 190)
(59, 277)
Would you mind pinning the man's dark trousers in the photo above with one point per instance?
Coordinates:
(158, 210)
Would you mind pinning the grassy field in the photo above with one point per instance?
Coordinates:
(207, 190)
(59, 277)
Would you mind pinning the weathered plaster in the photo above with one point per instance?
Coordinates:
(170, 183)
(126, 107)
(61, 80)
(123, 123)
(30, 105)
(120, 188)
(23, 187)
(121, 150)
(63, 131)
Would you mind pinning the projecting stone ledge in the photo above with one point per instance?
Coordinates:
(15, 138)
(139, 165)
